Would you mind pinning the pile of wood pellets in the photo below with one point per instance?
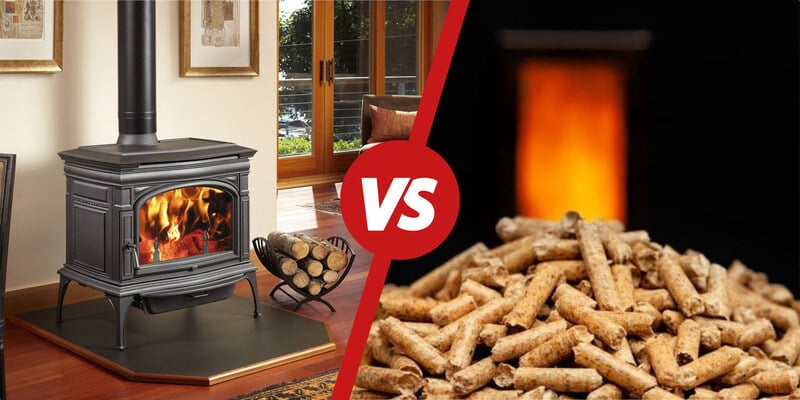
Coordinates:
(582, 309)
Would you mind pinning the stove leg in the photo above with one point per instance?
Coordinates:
(62, 290)
(121, 306)
(251, 278)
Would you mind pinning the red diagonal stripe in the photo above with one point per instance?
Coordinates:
(419, 134)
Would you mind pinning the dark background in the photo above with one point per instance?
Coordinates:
(713, 152)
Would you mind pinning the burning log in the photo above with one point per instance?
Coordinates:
(180, 223)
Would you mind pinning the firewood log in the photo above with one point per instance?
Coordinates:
(300, 279)
(289, 244)
(330, 276)
(315, 287)
(313, 267)
(286, 264)
(336, 259)
(317, 250)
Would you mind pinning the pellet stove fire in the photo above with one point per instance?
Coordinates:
(155, 224)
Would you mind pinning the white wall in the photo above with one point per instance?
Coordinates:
(41, 115)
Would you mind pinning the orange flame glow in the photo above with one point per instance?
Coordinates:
(571, 144)
(185, 222)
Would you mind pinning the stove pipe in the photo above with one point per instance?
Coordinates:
(136, 68)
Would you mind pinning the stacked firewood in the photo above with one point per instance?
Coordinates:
(309, 262)
(582, 309)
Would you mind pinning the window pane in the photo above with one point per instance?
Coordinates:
(351, 51)
(401, 47)
(294, 78)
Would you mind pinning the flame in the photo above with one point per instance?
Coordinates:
(571, 144)
(184, 222)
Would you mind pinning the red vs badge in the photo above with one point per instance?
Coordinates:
(378, 213)
(399, 200)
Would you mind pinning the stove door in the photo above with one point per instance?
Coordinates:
(184, 225)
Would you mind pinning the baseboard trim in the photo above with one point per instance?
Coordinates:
(310, 180)
(45, 296)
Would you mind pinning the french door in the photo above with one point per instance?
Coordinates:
(331, 53)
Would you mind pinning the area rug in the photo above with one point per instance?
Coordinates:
(328, 206)
(314, 387)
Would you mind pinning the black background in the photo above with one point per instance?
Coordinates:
(714, 163)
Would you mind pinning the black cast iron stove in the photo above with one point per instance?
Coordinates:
(155, 224)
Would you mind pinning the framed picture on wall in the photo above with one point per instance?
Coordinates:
(31, 36)
(218, 38)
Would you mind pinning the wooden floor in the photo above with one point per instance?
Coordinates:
(37, 369)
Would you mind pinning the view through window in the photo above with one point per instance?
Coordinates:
(330, 55)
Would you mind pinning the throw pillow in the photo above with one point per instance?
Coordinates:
(390, 124)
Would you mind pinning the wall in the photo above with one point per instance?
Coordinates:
(44, 114)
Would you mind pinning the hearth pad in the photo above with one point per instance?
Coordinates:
(202, 345)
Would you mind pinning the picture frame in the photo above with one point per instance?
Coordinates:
(218, 38)
(31, 38)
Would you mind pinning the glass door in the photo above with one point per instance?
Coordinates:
(324, 68)
(351, 52)
(402, 20)
(298, 91)
(330, 54)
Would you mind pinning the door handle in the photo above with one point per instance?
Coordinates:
(329, 71)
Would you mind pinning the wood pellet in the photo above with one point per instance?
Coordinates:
(586, 310)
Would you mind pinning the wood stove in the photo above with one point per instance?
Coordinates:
(155, 224)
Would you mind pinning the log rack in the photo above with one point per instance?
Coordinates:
(267, 255)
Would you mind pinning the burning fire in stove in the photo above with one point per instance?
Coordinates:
(184, 222)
